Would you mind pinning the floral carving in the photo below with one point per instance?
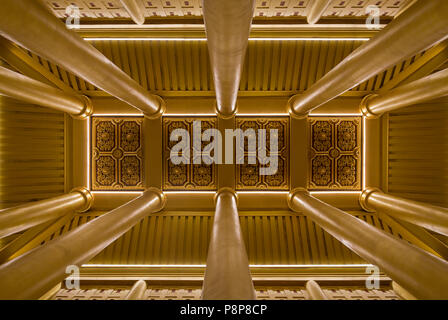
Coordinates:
(186, 176)
(116, 163)
(335, 144)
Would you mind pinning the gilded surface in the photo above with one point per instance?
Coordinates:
(335, 153)
(248, 175)
(116, 154)
(188, 176)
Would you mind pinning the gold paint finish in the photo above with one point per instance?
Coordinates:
(227, 25)
(18, 86)
(117, 153)
(136, 10)
(27, 277)
(227, 275)
(45, 35)
(137, 291)
(429, 88)
(317, 9)
(416, 29)
(20, 218)
(315, 291)
(425, 215)
(421, 273)
(335, 153)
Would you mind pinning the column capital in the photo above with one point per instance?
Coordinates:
(226, 190)
(363, 106)
(160, 195)
(294, 192)
(224, 115)
(363, 197)
(88, 197)
(160, 110)
(292, 112)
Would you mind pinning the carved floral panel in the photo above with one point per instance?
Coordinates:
(335, 153)
(248, 174)
(116, 153)
(189, 176)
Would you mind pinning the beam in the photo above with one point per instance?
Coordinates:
(428, 88)
(227, 276)
(317, 9)
(34, 27)
(422, 214)
(421, 26)
(20, 87)
(421, 273)
(26, 277)
(227, 25)
(31, 214)
(135, 9)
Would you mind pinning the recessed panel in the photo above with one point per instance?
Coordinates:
(250, 175)
(335, 153)
(116, 153)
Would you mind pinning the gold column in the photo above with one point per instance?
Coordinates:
(430, 87)
(13, 220)
(419, 272)
(425, 215)
(401, 292)
(315, 291)
(227, 276)
(34, 27)
(18, 86)
(317, 9)
(227, 25)
(421, 26)
(136, 10)
(137, 291)
(31, 275)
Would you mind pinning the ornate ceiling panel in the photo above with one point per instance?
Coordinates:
(186, 176)
(335, 153)
(116, 154)
(248, 175)
(113, 9)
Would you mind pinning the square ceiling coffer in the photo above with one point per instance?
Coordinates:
(335, 153)
(116, 153)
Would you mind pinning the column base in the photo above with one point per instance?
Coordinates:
(225, 116)
(88, 197)
(293, 113)
(364, 196)
(160, 111)
(87, 111)
(363, 107)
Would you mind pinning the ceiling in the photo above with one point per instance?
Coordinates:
(113, 9)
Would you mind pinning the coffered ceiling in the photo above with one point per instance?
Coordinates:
(113, 9)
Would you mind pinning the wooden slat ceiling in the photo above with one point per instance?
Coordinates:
(113, 9)
(283, 67)
(271, 238)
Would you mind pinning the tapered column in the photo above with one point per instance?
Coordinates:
(419, 272)
(227, 25)
(317, 9)
(227, 276)
(34, 27)
(18, 86)
(401, 292)
(425, 215)
(136, 10)
(427, 88)
(137, 291)
(13, 220)
(315, 291)
(421, 26)
(31, 275)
